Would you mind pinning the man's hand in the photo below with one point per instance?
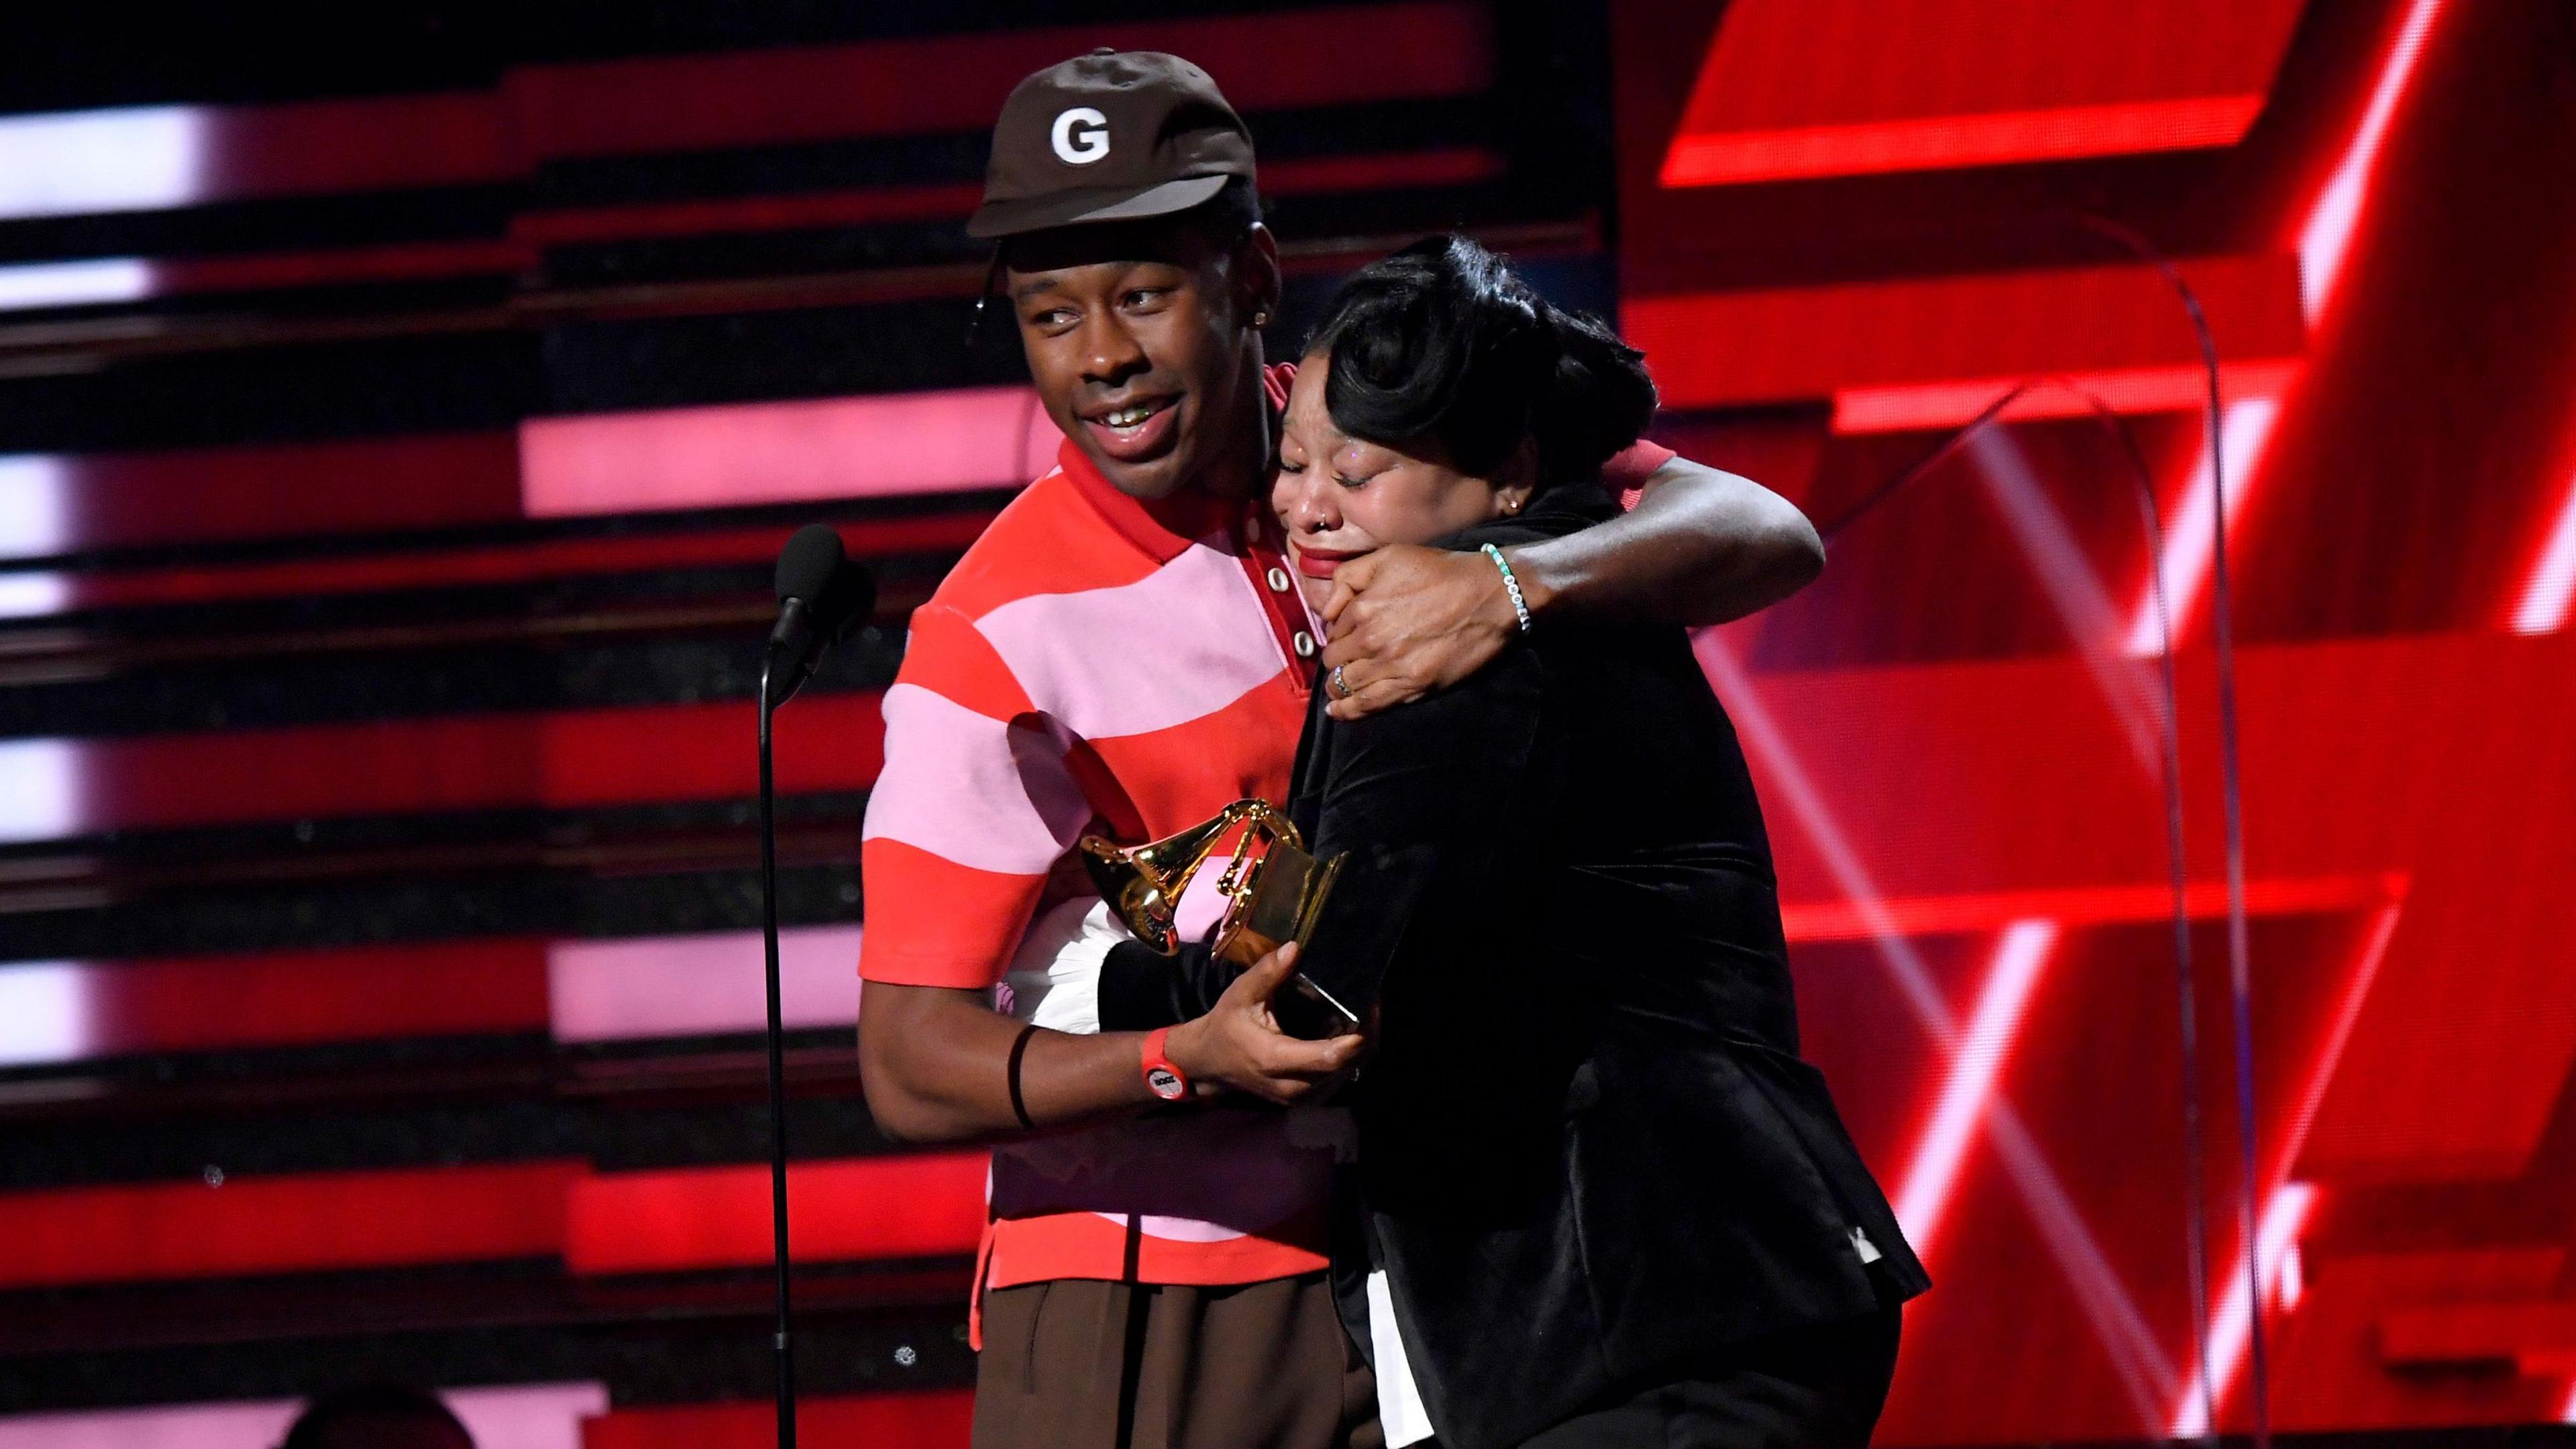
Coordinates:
(1407, 621)
(1239, 1044)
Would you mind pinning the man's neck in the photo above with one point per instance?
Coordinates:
(1239, 470)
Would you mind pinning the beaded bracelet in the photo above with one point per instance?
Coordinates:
(1511, 585)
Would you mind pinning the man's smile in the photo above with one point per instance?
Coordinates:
(1135, 429)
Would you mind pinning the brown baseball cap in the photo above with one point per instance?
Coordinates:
(1109, 136)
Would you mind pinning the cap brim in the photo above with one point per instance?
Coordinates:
(1080, 208)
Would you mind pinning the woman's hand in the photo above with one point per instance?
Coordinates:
(1406, 621)
(1239, 1044)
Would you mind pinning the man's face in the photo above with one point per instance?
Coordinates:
(1139, 341)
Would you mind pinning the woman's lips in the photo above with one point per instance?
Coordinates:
(1319, 563)
(1129, 445)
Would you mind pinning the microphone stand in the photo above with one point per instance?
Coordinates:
(777, 1058)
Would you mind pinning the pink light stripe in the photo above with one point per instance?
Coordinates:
(84, 283)
(699, 985)
(852, 447)
(2325, 244)
(2074, 585)
(2286, 1204)
(973, 790)
(2546, 594)
(2325, 240)
(2145, 1372)
(516, 1416)
(2231, 1330)
(1976, 1061)
(1187, 647)
(132, 158)
(2245, 430)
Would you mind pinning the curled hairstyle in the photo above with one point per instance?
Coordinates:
(339, 1417)
(1441, 341)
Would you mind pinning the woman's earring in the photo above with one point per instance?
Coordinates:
(1260, 319)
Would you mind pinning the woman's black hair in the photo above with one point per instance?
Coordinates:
(1440, 340)
(352, 1409)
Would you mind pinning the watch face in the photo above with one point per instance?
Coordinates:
(1166, 1083)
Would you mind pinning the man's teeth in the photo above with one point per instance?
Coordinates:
(1129, 417)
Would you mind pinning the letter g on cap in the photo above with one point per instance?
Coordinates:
(1080, 136)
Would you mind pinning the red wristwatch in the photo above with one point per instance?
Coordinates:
(1162, 1078)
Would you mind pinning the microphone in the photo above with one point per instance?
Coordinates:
(821, 593)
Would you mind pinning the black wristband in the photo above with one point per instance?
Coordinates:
(1019, 1104)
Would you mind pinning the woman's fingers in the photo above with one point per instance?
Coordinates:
(1348, 580)
(1372, 697)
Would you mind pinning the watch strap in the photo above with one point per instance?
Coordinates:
(1162, 1078)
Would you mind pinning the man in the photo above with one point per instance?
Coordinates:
(1124, 651)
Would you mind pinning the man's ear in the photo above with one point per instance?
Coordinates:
(1256, 273)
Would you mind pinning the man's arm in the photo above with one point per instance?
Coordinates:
(1701, 547)
(936, 1062)
(972, 810)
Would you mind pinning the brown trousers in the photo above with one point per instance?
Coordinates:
(1082, 1364)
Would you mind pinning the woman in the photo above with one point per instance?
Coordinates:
(1600, 1199)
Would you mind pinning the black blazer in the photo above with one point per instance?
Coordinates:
(1589, 1150)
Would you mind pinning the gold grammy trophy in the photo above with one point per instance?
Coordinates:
(1273, 889)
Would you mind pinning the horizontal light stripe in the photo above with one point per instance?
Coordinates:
(69, 163)
(700, 985)
(2126, 391)
(850, 447)
(1934, 143)
(911, 1419)
(44, 1013)
(911, 1206)
(35, 505)
(1177, 645)
(40, 789)
(33, 595)
(516, 1416)
(75, 284)
(972, 790)
(1783, 344)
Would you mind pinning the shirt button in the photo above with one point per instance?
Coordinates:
(1278, 581)
(1305, 643)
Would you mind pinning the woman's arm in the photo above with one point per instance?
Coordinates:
(1701, 547)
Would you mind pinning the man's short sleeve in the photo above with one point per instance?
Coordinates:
(1624, 476)
(973, 808)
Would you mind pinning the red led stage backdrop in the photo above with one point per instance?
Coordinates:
(399, 415)
(1846, 230)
